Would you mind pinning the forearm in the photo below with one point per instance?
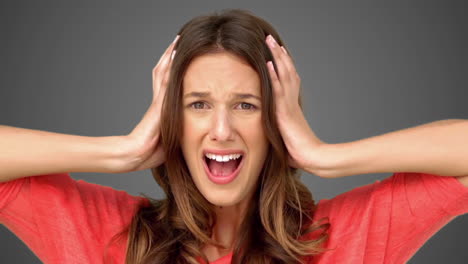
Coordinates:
(27, 152)
(439, 147)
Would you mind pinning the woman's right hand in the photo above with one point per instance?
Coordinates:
(142, 146)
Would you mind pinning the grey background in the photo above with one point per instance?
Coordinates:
(366, 69)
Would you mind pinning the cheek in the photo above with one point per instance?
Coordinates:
(195, 123)
(253, 132)
(192, 136)
(259, 146)
(187, 137)
(191, 129)
(257, 143)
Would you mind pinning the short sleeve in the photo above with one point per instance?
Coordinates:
(9, 190)
(63, 220)
(389, 220)
(422, 204)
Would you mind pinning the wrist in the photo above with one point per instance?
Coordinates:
(315, 164)
(117, 154)
(337, 160)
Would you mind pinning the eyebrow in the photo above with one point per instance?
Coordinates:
(207, 94)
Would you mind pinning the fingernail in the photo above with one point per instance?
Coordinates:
(272, 38)
(173, 54)
(284, 50)
(270, 65)
(272, 41)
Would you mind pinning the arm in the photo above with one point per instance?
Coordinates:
(439, 147)
(27, 152)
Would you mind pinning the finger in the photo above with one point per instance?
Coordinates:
(284, 50)
(289, 63)
(283, 72)
(158, 77)
(168, 50)
(275, 82)
(284, 60)
(168, 70)
(160, 68)
(164, 82)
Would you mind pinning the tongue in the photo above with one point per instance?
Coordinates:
(222, 168)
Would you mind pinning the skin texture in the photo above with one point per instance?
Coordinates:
(302, 143)
(222, 121)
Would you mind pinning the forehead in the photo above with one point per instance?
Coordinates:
(221, 72)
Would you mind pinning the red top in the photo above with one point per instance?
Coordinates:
(63, 220)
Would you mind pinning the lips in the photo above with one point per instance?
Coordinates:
(223, 151)
(224, 179)
(222, 168)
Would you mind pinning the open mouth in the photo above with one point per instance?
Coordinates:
(222, 168)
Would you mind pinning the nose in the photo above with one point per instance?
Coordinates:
(221, 127)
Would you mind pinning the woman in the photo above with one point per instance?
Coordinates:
(224, 138)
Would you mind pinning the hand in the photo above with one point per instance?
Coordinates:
(143, 144)
(299, 139)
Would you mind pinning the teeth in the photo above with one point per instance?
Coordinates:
(222, 158)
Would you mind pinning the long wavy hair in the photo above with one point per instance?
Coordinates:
(174, 229)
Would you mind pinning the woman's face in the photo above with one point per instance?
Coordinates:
(223, 141)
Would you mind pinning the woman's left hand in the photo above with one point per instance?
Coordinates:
(298, 137)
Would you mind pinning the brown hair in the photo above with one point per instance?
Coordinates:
(174, 229)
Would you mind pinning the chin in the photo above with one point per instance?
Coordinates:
(225, 199)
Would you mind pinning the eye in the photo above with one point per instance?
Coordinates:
(197, 105)
(247, 106)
